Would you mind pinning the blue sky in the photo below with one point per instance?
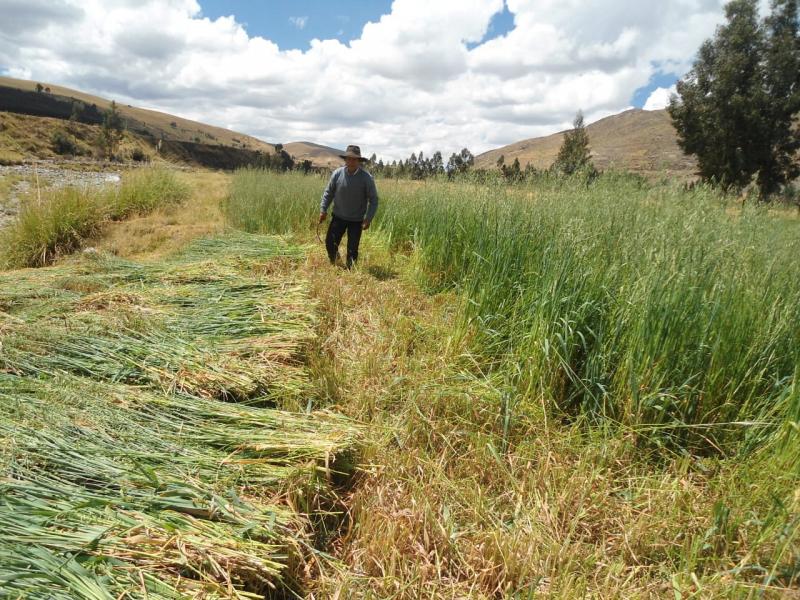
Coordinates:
(292, 25)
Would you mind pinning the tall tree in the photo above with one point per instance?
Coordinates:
(574, 154)
(467, 159)
(780, 161)
(437, 163)
(734, 109)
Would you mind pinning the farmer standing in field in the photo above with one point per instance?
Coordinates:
(355, 200)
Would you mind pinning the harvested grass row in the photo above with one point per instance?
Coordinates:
(62, 220)
(121, 471)
(200, 326)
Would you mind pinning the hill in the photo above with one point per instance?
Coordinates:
(636, 140)
(182, 139)
(320, 156)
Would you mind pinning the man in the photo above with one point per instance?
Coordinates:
(355, 200)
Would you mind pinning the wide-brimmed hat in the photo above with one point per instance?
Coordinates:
(353, 152)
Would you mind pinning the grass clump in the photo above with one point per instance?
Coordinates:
(61, 220)
(56, 225)
(143, 191)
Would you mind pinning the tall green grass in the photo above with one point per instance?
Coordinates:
(648, 306)
(62, 220)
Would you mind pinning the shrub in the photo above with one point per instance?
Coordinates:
(139, 155)
(63, 143)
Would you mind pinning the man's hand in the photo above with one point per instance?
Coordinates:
(322, 216)
(365, 225)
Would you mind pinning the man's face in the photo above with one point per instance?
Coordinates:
(352, 163)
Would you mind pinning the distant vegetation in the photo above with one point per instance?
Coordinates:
(573, 157)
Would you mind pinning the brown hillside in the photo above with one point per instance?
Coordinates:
(24, 137)
(320, 156)
(139, 120)
(636, 140)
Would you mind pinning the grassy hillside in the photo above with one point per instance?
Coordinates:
(33, 117)
(320, 156)
(25, 136)
(156, 124)
(643, 142)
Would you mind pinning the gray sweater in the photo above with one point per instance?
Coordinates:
(354, 197)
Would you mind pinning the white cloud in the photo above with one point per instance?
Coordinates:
(299, 22)
(407, 83)
(659, 98)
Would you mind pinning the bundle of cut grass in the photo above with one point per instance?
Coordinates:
(209, 328)
(121, 473)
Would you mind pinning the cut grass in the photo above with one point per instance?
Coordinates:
(121, 470)
(62, 220)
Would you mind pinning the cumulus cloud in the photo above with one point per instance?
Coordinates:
(659, 98)
(410, 81)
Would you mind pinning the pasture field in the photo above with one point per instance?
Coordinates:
(556, 389)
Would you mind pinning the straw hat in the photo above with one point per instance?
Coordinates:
(353, 152)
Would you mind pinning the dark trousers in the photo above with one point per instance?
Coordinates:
(336, 231)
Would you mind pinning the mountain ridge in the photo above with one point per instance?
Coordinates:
(636, 140)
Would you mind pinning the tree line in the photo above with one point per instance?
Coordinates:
(574, 157)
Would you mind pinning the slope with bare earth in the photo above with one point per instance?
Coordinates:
(158, 124)
(319, 155)
(636, 140)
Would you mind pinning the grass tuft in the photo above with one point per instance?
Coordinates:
(62, 220)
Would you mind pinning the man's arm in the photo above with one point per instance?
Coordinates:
(327, 196)
(372, 202)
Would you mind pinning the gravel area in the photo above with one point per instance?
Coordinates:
(51, 176)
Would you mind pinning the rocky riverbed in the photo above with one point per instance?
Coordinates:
(23, 181)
